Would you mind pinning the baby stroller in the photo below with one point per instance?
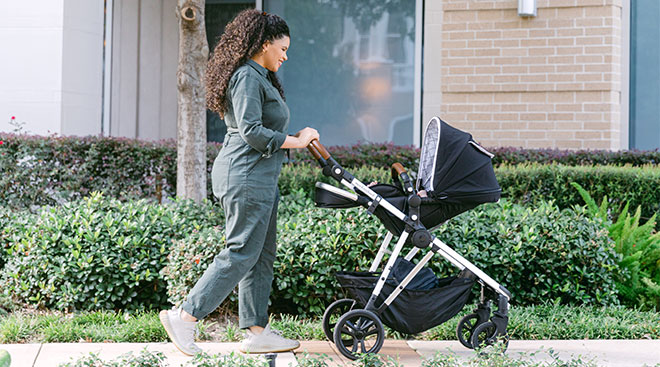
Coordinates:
(457, 175)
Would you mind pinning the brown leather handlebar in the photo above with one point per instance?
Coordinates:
(398, 167)
(318, 150)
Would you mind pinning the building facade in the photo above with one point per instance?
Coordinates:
(580, 74)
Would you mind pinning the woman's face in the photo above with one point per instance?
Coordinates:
(275, 53)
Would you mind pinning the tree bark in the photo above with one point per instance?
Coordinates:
(191, 98)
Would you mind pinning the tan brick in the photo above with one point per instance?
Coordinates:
(457, 88)
(488, 87)
(533, 78)
(588, 77)
(539, 33)
(479, 79)
(506, 79)
(487, 69)
(453, 6)
(531, 60)
(486, 125)
(566, 50)
(561, 42)
(598, 68)
(590, 97)
(517, 125)
(486, 108)
(600, 50)
(570, 32)
(456, 70)
(561, 23)
(561, 97)
(570, 12)
(514, 107)
(563, 3)
(592, 22)
(515, 34)
(506, 134)
(599, 31)
(514, 69)
(455, 97)
(536, 69)
(461, 53)
(488, 52)
(597, 107)
(452, 27)
(589, 41)
(558, 78)
(479, 98)
(588, 135)
(480, 44)
(489, 35)
(486, 15)
(600, 126)
(533, 134)
(506, 43)
(541, 107)
(481, 26)
(563, 107)
(533, 42)
(568, 86)
(589, 59)
(602, 11)
(568, 125)
(461, 35)
(597, 86)
(507, 97)
(541, 51)
(449, 61)
(480, 61)
(533, 117)
(561, 60)
(589, 117)
(538, 144)
(511, 119)
(511, 52)
(561, 116)
(533, 97)
(460, 108)
(449, 45)
(461, 16)
(508, 25)
(538, 87)
(570, 68)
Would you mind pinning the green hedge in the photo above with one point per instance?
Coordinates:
(49, 170)
(100, 253)
(96, 253)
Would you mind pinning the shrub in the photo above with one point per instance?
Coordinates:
(188, 259)
(144, 359)
(638, 186)
(640, 247)
(97, 253)
(539, 254)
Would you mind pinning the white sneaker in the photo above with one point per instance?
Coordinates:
(269, 341)
(182, 333)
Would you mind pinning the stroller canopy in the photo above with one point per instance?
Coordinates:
(454, 168)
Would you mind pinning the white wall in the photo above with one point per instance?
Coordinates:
(51, 68)
(31, 64)
(82, 67)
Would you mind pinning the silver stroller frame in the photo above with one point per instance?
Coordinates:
(421, 238)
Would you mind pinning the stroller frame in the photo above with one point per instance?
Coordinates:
(421, 238)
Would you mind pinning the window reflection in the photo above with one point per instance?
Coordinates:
(350, 71)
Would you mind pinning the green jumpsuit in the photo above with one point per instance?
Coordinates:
(244, 179)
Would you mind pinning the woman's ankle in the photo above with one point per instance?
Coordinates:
(187, 317)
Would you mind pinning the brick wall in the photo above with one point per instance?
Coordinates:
(549, 81)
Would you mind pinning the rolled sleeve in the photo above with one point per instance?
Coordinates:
(248, 99)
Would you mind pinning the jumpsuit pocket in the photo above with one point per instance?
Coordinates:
(220, 176)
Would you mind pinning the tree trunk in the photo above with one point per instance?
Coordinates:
(191, 98)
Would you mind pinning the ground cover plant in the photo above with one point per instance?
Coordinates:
(549, 321)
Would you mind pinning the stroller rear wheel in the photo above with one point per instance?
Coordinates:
(485, 335)
(333, 313)
(363, 329)
(465, 329)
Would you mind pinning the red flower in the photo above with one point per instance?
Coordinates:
(1, 142)
(13, 117)
(196, 261)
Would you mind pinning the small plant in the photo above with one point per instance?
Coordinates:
(144, 359)
(226, 360)
(318, 360)
(639, 245)
(374, 360)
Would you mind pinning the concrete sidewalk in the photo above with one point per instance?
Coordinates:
(606, 353)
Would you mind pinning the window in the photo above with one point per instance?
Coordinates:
(351, 68)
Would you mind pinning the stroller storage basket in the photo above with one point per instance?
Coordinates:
(413, 311)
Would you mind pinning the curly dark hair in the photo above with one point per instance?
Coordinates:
(242, 39)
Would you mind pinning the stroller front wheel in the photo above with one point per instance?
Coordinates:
(333, 313)
(486, 334)
(363, 330)
(465, 329)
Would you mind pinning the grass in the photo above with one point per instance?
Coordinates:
(531, 323)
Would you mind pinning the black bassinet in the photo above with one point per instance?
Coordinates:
(455, 171)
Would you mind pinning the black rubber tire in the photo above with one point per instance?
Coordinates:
(484, 335)
(333, 313)
(465, 328)
(365, 331)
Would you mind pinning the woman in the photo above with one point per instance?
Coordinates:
(243, 88)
